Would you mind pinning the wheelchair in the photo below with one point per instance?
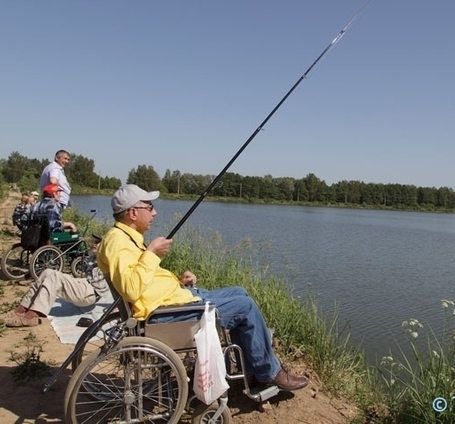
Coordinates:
(143, 371)
(62, 249)
(55, 251)
(15, 262)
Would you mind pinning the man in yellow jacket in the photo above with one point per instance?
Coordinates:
(134, 269)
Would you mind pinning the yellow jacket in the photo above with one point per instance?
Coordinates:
(136, 273)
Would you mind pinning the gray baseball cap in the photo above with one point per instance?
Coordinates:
(128, 195)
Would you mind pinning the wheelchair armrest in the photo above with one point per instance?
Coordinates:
(179, 332)
(180, 308)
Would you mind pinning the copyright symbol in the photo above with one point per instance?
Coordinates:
(439, 404)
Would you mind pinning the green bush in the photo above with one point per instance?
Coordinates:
(85, 224)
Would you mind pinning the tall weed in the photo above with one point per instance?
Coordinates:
(29, 363)
(419, 386)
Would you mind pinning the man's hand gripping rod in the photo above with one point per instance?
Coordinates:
(261, 126)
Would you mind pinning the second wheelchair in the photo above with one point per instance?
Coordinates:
(64, 248)
(57, 250)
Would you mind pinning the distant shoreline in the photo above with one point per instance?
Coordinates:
(95, 192)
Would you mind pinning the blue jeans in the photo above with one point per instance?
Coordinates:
(240, 315)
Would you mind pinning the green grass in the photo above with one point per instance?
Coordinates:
(8, 306)
(85, 224)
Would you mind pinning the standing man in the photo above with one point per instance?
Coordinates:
(54, 173)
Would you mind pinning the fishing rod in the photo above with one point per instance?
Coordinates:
(261, 126)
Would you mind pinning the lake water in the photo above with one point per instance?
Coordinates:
(379, 268)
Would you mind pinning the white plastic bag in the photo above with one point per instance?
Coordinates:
(210, 371)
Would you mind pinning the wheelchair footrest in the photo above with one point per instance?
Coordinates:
(261, 394)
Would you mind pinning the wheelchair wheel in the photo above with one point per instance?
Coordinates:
(78, 267)
(46, 257)
(95, 335)
(203, 414)
(140, 380)
(15, 262)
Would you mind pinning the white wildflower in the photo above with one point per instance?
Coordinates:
(415, 323)
(414, 334)
(446, 303)
(386, 360)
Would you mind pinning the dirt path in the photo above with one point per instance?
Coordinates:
(25, 403)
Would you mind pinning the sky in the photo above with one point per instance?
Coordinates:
(181, 85)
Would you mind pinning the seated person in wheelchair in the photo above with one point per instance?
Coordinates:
(49, 206)
(21, 212)
(51, 284)
(134, 269)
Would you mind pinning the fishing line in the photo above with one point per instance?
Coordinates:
(261, 126)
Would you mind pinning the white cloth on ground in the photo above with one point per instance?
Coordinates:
(64, 317)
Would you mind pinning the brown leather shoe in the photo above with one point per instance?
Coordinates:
(288, 382)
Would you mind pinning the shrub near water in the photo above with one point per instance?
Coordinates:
(83, 221)
(298, 325)
(420, 386)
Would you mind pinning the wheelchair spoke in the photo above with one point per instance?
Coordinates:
(88, 344)
(46, 257)
(15, 263)
(141, 380)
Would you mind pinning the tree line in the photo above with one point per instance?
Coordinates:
(310, 189)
